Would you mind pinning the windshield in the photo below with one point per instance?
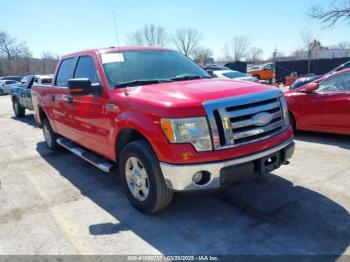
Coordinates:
(235, 74)
(143, 65)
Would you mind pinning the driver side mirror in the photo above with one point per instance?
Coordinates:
(309, 88)
(80, 86)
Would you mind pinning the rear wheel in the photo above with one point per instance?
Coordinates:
(49, 135)
(142, 178)
(18, 109)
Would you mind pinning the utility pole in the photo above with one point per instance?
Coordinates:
(274, 67)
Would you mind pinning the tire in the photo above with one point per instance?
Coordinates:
(18, 109)
(2, 92)
(138, 161)
(49, 135)
(292, 122)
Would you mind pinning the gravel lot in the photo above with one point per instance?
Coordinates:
(55, 203)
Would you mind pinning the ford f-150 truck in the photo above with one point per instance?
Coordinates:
(161, 121)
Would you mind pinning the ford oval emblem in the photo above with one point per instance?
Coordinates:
(262, 119)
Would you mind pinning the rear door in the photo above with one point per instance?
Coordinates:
(336, 104)
(59, 98)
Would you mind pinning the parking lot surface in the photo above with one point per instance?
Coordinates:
(56, 203)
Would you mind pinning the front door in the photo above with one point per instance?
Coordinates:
(86, 115)
(336, 104)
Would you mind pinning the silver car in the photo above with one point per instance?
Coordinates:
(6, 85)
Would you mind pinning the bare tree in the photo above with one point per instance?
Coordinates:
(237, 49)
(155, 35)
(49, 55)
(201, 55)
(187, 40)
(254, 54)
(227, 53)
(336, 11)
(150, 35)
(11, 48)
(309, 45)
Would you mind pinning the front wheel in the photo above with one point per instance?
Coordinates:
(142, 178)
(257, 77)
(18, 109)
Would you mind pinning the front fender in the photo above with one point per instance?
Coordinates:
(147, 125)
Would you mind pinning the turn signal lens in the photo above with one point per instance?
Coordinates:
(168, 129)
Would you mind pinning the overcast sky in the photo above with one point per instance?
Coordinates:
(69, 25)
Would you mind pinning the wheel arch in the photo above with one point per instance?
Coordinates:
(292, 115)
(126, 136)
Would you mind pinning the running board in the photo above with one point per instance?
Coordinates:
(94, 159)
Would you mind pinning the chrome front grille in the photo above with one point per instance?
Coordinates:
(245, 119)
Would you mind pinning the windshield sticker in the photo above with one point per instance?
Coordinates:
(112, 58)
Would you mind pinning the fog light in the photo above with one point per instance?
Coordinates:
(201, 178)
(197, 177)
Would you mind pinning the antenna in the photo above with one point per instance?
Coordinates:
(117, 39)
(115, 28)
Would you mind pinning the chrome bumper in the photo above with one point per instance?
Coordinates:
(179, 177)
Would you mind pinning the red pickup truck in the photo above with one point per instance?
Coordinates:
(162, 121)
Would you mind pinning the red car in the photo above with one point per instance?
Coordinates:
(322, 105)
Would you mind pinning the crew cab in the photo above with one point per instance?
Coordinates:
(161, 122)
(323, 105)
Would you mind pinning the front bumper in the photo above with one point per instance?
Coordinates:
(179, 177)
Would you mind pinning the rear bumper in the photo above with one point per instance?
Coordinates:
(179, 177)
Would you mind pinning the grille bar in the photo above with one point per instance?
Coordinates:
(253, 110)
(257, 131)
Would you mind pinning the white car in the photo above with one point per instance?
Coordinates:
(230, 74)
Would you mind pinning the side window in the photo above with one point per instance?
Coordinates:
(86, 69)
(343, 83)
(65, 72)
(268, 67)
(329, 84)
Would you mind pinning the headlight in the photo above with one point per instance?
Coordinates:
(188, 130)
(284, 110)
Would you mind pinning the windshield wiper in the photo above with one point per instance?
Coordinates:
(188, 77)
(140, 82)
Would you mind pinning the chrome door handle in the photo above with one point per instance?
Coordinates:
(70, 100)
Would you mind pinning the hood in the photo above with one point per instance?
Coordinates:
(189, 96)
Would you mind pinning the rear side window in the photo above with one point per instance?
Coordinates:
(86, 68)
(65, 72)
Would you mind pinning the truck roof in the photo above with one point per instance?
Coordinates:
(110, 49)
